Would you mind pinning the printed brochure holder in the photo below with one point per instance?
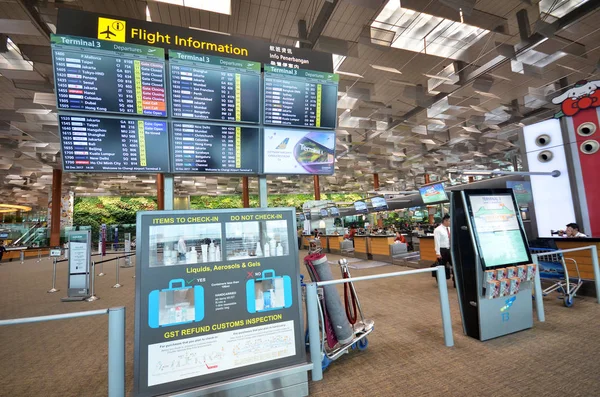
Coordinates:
(154, 304)
(270, 303)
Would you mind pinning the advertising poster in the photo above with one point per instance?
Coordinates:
(66, 209)
(217, 297)
(497, 230)
(298, 151)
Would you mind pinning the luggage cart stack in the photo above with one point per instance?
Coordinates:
(553, 267)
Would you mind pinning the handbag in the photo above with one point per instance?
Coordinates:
(438, 262)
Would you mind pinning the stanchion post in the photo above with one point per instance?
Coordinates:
(445, 306)
(594, 250)
(39, 255)
(312, 311)
(101, 267)
(22, 256)
(117, 285)
(93, 296)
(537, 289)
(116, 352)
(53, 277)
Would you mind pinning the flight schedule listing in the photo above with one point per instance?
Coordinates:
(300, 97)
(208, 87)
(92, 144)
(199, 148)
(100, 76)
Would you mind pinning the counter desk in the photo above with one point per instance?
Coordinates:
(306, 241)
(361, 247)
(334, 243)
(379, 247)
(427, 249)
(583, 259)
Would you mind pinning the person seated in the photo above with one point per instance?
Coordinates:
(572, 231)
(400, 238)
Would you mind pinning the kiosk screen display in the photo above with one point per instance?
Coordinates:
(334, 211)
(433, 193)
(497, 230)
(379, 204)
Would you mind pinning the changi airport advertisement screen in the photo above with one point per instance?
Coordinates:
(379, 204)
(433, 193)
(497, 230)
(297, 151)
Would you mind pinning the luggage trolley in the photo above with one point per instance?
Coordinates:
(330, 349)
(553, 266)
(314, 246)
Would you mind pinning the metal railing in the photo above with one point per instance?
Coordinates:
(116, 342)
(312, 309)
(594, 254)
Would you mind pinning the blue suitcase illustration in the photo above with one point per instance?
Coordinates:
(276, 292)
(173, 312)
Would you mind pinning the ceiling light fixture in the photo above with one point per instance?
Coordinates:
(386, 69)
(358, 76)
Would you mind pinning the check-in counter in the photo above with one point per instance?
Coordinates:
(361, 247)
(380, 248)
(427, 250)
(15, 253)
(324, 243)
(306, 241)
(334, 244)
(583, 258)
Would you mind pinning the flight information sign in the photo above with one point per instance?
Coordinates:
(104, 144)
(104, 76)
(208, 87)
(201, 148)
(300, 97)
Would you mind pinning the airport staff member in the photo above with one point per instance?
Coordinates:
(573, 231)
(441, 237)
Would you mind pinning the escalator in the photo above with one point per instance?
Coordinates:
(35, 234)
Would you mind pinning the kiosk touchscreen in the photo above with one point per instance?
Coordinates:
(492, 263)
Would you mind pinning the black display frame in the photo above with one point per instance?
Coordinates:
(113, 117)
(222, 124)
(469, 211)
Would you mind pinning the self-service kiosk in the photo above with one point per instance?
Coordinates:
(492, 264)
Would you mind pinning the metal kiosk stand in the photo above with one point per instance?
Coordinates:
(489, 254)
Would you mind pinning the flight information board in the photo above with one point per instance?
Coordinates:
(201, 148)
(300, 97)
(104, 76)
(208, 87)
(103, 144)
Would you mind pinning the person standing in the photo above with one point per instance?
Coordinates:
(2, 250)
(441, 237)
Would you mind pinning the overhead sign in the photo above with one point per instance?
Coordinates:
(217, 297)
(125, 30)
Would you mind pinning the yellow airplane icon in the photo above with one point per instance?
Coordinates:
(111, 29)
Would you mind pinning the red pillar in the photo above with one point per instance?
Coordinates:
(427, 180)
(245, 192)
(160, 191)
(376, 181)
(471, 179)
(317, 187)
(55, 209)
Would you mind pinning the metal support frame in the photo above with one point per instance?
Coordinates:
(116, 342)
(312, 311)
(262, 191)
(92, 297)
(117, 285)
(595, 266)
(169, 191)
(53, 289)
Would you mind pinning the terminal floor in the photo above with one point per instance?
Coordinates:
(406, 355)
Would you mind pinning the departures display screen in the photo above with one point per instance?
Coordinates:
(102, 76)
(214, 88)
(201, 148)
(300, 98)
(105, 144)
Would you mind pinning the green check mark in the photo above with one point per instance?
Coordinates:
(191, 281)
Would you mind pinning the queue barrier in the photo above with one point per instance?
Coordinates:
(594, 253)
(116, 342)
(312, 309)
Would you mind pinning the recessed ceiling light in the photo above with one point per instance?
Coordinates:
(386, 69)
(350, 74)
